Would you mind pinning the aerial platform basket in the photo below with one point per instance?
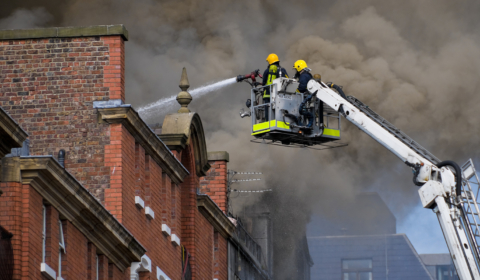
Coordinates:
(280, 123)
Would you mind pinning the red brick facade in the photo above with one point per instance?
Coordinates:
(214, 184)
(220, 259)
(48, 86)
(21, 214)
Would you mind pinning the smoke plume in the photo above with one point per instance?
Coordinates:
(416, 63)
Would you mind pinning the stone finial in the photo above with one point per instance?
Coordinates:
(184, 98)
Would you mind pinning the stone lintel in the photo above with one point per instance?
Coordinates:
(11, 134)
(65, 32)
(219, 156)
(80, 207)
(215, 216)
(144, 135)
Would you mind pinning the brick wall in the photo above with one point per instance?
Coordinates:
(21, 214)
(215, 183)
(48, 86)
(102, 267)
(30, 237)
(77, 258)
(91, 262)
(220, 259)
(114, 273)
(11, 219)
(133, 172)
(203, 248)
(197, 232)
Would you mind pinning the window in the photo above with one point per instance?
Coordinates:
(96, 267)
(359, 269)
(446, 272)
(62, 249)
(44, 231)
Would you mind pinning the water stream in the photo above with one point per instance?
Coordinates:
(151, 109)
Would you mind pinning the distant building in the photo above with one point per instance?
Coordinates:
(259, 226)
(364, 245)
(303, 260)
(440, 266)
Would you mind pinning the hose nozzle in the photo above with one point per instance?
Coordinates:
(240, 78)
(251, 76)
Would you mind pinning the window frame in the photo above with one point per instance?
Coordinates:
(62, 248)
(44, 232)
(357, 271)
(96, 266)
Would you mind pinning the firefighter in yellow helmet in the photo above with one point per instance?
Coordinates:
(273, 71)
(304, 76)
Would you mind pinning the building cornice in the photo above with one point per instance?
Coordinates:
(74, 202)
(215, 216)
(144, 135)
(219, 156)
(11, 134)
(65, 32)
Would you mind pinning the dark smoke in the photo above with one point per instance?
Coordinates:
(417, 63)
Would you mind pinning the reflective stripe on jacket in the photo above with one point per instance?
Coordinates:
(270, 74)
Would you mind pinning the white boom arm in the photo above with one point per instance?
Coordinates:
(438, 191)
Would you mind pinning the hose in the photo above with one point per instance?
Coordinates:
(458, 174)
(339, 89)
(416, 169)
(342, 94)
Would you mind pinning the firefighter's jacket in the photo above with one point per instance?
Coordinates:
(270, 74)
(303, 80)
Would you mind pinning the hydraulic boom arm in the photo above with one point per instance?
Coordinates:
(440, 187)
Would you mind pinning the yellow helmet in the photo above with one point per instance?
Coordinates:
(299, 65)
(272, 58)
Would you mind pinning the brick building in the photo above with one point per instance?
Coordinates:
(124, 202)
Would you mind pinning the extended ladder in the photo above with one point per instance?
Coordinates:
(470, 198)
(470, 185)
(393, 130)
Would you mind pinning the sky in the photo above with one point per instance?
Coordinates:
(416, 63)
